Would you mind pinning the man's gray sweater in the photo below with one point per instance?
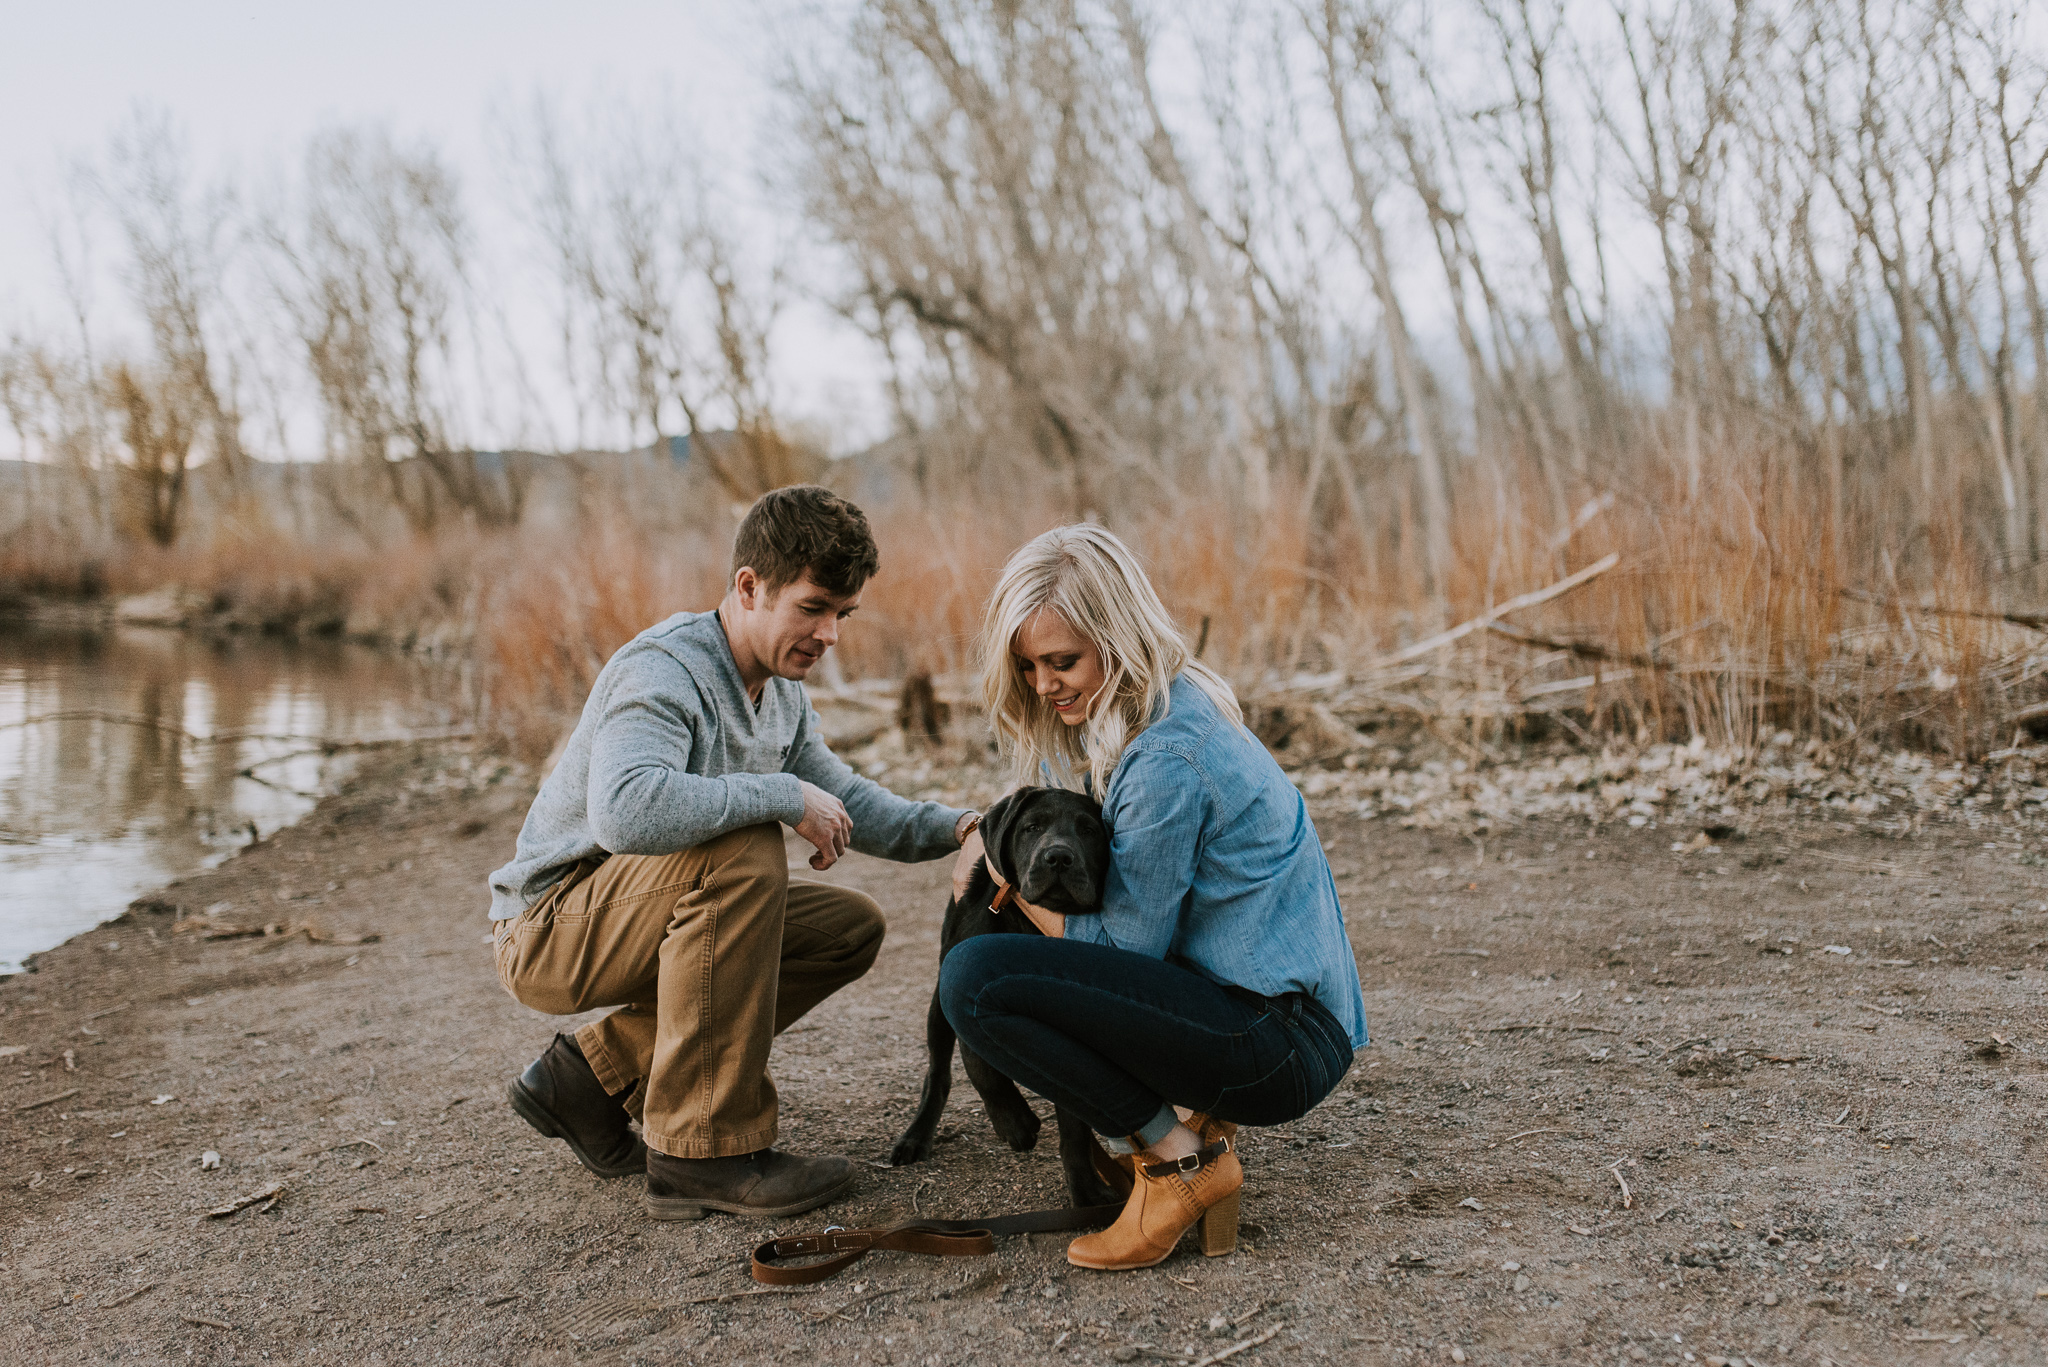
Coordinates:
(670, 752)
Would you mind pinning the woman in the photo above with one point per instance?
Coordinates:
(1217, 977)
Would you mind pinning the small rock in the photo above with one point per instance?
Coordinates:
(1051, 1293)
(1457, 1354)
(1522, 1282)
(208, 1161)
(1770, 1298)
(1511, 1267)
(1219, 1324)
(1471, 1203)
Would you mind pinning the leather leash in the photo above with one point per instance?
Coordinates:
(945, 1238)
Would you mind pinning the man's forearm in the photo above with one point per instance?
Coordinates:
(653, 809)
(884, 825)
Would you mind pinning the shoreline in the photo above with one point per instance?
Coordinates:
(1571, 1006)
(134, 755)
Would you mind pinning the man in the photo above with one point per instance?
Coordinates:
(651, 876)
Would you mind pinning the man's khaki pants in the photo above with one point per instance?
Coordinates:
(709, 954)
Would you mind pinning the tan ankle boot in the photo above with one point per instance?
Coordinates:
(1119, 1170)
(1168, 1199)
(1209, 1129)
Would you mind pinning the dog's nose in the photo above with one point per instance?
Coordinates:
(1059, 859)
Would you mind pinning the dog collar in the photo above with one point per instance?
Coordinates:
(1005, 894)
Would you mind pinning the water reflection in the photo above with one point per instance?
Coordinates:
(131, 756)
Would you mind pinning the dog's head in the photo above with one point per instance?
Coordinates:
(1051, 846)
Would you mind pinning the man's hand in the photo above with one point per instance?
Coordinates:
(826, 825)
(963, 863)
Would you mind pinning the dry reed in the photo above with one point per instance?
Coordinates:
(1740, 608)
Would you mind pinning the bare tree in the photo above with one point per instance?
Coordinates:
(372, 272)
(1337, 39)
(659, 296)
(176, 240)
(1531, 42)
(1686, 62)
(979, 168)
(159, 416)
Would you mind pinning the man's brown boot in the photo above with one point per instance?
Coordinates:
(767, 1182)
(560, 1096)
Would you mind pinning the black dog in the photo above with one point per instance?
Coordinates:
(1051, 847)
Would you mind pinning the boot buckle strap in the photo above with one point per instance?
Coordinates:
(1190, 1163)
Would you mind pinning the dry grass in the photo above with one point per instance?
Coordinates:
(1727, 616)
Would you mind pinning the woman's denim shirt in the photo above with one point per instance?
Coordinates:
(1214, 864)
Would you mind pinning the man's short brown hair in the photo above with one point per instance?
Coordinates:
(806, 529)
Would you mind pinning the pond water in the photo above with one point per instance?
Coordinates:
(132, 756)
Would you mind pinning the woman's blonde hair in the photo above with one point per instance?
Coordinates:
(1093, 581)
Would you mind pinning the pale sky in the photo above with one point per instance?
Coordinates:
(248, 82)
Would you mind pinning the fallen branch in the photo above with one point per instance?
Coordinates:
(2036, 620)
(123, 1300)
(1587, 650)
(326, 745)
(1234, 1349)
(46, 1101)
(1480, 623)
(1628, 1198)
(208, 929)
(2027, 714)
(857, 1300)
(268, 1193)
(1551, 690)
(731, 1296)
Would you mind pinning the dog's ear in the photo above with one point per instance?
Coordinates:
(997, 824)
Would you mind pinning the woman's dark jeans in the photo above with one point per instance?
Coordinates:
(1113, 1036)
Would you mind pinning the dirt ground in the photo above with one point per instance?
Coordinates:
(1827, 1155)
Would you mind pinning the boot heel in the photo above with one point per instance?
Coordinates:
(670, 1208)
(1219, 1227)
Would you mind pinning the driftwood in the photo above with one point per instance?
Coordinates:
(323, 745)
(1881, 672)
(1585, 650)
(1480, 623)
(921, 713)
(2037, 621)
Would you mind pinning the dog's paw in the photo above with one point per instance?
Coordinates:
(1090, 1190)
(911, 1148)
(1018, 1129)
